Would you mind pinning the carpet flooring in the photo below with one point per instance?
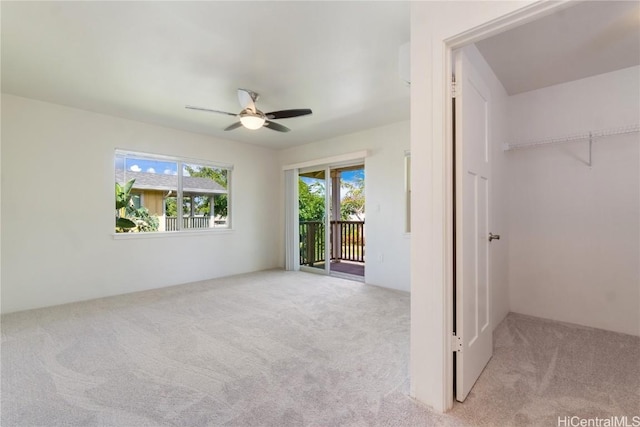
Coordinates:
(281, 348)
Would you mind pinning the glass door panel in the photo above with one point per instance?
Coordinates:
(312, 219)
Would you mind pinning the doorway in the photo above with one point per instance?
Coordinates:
(331, 220)
(518, 112)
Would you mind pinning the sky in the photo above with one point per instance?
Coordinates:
(150, 166)
(352, 176)
(349, 176)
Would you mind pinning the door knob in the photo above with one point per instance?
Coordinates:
(493, 236)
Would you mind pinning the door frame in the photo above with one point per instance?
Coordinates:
(441, 71)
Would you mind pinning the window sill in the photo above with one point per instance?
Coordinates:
(163, 234)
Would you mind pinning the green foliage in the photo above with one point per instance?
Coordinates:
(143, 220)
(124, 223)
(123, 194)
(128, 218)
(352, 203)
(202, 205)
(310, 201)
(171, 206)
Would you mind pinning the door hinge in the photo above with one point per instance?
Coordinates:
(456, 343)
(453, 87)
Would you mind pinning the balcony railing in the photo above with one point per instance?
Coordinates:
(188, 222)
(347, 238)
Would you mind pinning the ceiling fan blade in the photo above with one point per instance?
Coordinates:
(190, 107)
(247, 99)
(285, 114)
(233, 126)
(276, 126)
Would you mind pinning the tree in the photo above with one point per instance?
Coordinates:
(128, 218)
(220, 201)
(310, 201)
(171, 207)
(352, 203)
(123, 201)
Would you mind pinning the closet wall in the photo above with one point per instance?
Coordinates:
(574, 233)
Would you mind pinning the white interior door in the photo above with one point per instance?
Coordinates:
(473, 280)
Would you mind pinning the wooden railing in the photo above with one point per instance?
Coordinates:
(171, 222)
(311, 242)
(347, 238)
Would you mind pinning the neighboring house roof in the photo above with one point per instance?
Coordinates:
(158, 181)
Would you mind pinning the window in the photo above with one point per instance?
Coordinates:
(136, 200)
(160, 193)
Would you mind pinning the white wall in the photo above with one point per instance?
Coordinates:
(499, 249)
(387, 244)
(58, 208)
(432, 24)
(574, 232)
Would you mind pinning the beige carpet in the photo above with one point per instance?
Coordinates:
(542, 370)
(287, 349)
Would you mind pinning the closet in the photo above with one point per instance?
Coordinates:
(565, 158)
(573, 202)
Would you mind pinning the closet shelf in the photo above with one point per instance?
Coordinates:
(585, 136)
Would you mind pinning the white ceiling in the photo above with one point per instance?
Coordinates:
(586, 39)
(147, 60)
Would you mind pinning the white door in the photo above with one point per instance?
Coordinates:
(473, 281)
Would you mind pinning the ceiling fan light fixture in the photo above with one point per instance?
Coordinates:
(252, 122)
(252, 118)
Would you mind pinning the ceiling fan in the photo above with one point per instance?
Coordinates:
(252, 118)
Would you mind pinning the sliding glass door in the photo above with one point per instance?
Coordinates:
(324, 216)
(314, 189)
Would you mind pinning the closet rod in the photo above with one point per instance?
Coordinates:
(586, 136)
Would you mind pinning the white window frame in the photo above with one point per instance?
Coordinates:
(180, 162)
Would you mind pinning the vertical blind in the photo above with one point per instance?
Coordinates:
(291, 231)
